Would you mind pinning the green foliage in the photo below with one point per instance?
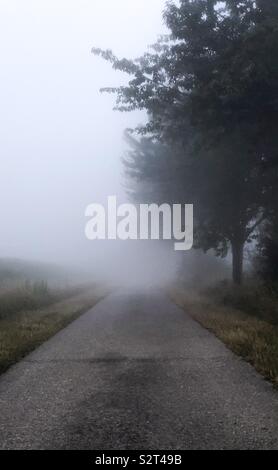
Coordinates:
(266, 261)
(254, 337)
(210, 89)
(257, 299)
(150, 164)
(23, 331)
(31, 296)
(26, 297)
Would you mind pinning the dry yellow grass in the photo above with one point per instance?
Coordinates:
(251, 338)
(22, 332)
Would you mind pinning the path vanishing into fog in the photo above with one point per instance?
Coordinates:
(136, 372)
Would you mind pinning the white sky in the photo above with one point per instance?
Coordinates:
(60, 141)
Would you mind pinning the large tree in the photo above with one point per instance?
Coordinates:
(211, 89)
(266, 259)
(152, 171)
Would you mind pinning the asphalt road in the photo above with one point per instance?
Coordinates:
(136, 372)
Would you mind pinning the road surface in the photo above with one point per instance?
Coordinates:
(136, 372)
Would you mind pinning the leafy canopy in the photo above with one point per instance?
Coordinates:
(210, 89)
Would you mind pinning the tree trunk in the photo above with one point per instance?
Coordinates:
(237, 251)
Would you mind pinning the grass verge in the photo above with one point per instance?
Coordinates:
(32, 296)
(252, 338)
(24, 330)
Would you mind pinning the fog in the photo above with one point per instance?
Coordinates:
(61, 141)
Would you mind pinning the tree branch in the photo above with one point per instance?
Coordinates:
(259, 221)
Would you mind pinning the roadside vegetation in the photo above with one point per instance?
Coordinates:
(31, 311)
(31, 296)
(245, 318)
(31, 314)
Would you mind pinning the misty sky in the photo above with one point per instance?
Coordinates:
(61, 142)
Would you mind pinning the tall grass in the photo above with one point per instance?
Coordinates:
(22, 331)
(31, 296)
(244, 318)
(257, 299)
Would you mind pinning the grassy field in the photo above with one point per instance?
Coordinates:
(31, 296)
(31, 314)
(244, 319)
